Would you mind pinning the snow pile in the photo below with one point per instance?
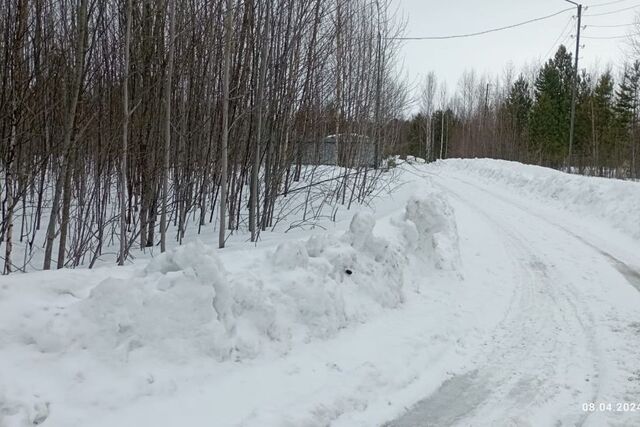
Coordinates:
(185, 302)
(176, 307)
(436, 232)
(615, 202)
(110, 335)
(313, 289)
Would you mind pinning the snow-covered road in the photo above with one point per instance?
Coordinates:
(570, 335)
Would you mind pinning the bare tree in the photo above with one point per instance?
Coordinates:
(64, 177)
(87, 89)
(125, 135)
(224, 179)
(167, 127)
(427, 102)
(255, 171)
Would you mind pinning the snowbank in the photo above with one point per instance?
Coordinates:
(185, 302)
(615, 202)
(188, 305)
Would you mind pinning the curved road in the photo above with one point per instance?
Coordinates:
(571, 334)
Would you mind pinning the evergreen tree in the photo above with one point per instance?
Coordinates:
(583, 128)
(549, 119)
(624, 105)
(416, 136)
(602, 119)
(518, 106)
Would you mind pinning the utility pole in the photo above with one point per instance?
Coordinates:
(575, 84)
(482, 122)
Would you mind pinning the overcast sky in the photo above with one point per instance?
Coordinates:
(492, 52)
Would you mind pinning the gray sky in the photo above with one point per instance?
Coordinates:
(490, 53)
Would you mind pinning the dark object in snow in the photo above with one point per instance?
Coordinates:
(349, 272)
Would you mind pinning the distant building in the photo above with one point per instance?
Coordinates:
(351, 150)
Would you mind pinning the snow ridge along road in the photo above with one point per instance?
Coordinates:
(571, 337)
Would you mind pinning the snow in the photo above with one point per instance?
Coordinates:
(197, 303)
(613, 201)
(457, 298)
(436, 234)
(568, 337)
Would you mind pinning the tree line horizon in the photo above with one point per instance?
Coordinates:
(525, 117)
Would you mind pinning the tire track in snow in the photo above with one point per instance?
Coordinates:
(542, 279)
(534, 352)
(632, 275)
(617, 325)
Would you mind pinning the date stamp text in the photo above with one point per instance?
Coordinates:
(611, 407)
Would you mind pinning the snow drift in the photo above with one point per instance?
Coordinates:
(187, 305)
(612, 201)
(185, 301)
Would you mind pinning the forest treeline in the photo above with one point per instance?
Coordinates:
(526, 117)
(119, 118)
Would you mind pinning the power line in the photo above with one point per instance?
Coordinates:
(606, 4)
(560, 37)
(566, 38)
(611, 37)
(479, 33)
(613, 11)
(611, 26)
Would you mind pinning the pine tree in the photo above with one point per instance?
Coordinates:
(602, 116)
(583, 129)
(549, 120)
(518, 106)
